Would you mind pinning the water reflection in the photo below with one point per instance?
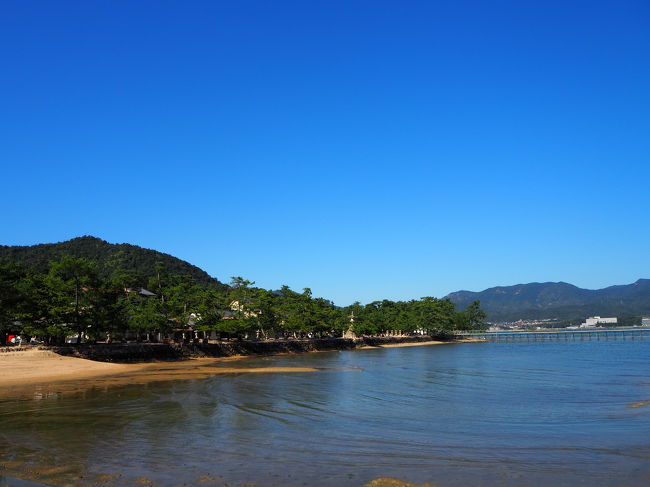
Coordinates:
(487, 414)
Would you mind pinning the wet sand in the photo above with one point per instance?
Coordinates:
(401, 345)
(391, 482)
(413, 344)
(42, 372)
(43, 366)
(638, 404)
(71, 477)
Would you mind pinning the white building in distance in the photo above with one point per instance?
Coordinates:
(597, 320)
(645, 321)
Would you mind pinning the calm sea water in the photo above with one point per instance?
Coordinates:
(486, 414)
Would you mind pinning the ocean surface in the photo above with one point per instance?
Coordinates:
(557, 413)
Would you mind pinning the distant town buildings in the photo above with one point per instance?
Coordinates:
(524, 324)
(554, 323)
(597, 320)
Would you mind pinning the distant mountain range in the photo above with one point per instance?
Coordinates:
(108, 257)
(558, 300)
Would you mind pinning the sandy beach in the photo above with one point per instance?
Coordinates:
(41, 372)
(423, 344)
(42, 366)
(414, 344)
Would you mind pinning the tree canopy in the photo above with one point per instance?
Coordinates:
(73, 297)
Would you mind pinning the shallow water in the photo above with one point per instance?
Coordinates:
(492, 414)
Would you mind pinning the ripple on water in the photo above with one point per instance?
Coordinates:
(496, 414)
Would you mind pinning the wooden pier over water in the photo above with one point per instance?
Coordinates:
(622, 333)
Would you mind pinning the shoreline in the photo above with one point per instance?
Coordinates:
(40, 372)
(153, 352)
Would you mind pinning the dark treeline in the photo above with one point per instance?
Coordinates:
(72, 298)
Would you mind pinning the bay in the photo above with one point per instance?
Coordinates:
(559, 413)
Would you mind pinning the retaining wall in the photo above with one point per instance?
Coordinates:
(149, 352)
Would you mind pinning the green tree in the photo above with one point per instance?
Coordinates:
(37, 310)
(265, 317)
(475, 316)
(146, 315)
(210, 311)
(244, 322)
(72, 282)
(434, 315)
(11, 295)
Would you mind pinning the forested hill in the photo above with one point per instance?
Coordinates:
(108, 257)
(91, 288)
(558, 300)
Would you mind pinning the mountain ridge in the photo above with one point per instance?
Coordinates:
(560, 300)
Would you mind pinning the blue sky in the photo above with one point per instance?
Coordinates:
(365, 149)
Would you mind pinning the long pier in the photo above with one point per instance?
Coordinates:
(622, 333)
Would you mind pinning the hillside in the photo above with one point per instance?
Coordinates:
(108, 257)
(558, 300)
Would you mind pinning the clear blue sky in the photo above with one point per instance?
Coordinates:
(365, 149)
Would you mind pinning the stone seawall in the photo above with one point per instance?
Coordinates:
(149, 352)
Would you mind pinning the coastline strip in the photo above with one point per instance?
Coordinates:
(41, 372)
